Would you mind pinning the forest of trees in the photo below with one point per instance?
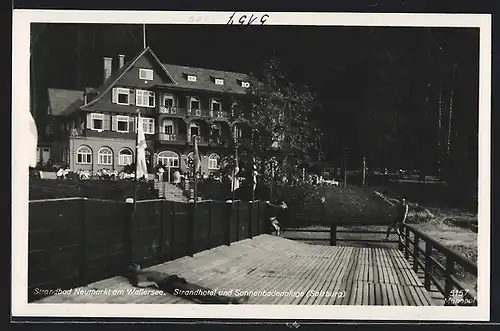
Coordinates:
(386, 97)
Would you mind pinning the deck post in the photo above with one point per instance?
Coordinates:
(229, 207)
(250, 219)
(427, 270)
(258, 217)
(83, 244)
(159, 207)
(192, 215)
(448, 286)
(172, 231)
(129, 231)
(238, 206)
(210, 204)
(415, 252)
(333, 234)
(407, 243)
(400, 229)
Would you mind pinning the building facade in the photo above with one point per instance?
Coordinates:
(96, 128)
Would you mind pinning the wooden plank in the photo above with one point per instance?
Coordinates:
(303, 277)
(391, 301)
(347, 282)
(338, 252)
(303, 280)
(340, 284)
(318, 283)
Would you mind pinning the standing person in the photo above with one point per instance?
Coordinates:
(277, 215)
(160, 171)
(401, 214)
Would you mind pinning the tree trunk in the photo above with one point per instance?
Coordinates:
(450, 116)
(363, 172)
(345, 167)
(79, 47)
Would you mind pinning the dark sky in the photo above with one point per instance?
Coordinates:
(319, 57)
(335, 62)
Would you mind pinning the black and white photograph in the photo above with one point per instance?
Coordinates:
(326, 163)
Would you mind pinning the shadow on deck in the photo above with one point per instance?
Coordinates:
(279, 271)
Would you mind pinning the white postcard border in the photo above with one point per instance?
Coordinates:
(20, 101)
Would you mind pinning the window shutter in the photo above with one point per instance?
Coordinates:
(131, 97)
(114, 97)
(131, 123)
(114, 123)
(89, 121)
(106, 122)
(154, 130)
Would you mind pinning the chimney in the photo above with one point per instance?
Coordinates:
(121, 60)
(108, 62)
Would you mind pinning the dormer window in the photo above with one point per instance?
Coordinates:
(245, 84)
(145, 74)
(219, 81)
(191, 78)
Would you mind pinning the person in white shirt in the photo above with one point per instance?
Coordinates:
(60, 173)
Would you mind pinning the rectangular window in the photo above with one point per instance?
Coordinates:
(168, 101)
(105, 159)
(125, 159)
(219, 81)
(122, 123)
(148, 125)
(145, 98)
(213, 164)
(122, 96)
(194, 131)
(194, 103)
(191, 78)
(146, 74)
(169, 129)
(215, 105)
(98, 122)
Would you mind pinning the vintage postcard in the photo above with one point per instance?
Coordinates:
(251, 165)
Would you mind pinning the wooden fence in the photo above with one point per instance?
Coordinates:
(76, 241)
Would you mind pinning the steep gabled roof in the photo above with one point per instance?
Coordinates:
(205, 79)
(113, 79)
(61, 100)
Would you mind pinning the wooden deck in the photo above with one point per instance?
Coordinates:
(362, 276)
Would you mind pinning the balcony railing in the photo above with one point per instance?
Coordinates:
(174, 138)
(203, 113)
(173, 110)
(101, 134)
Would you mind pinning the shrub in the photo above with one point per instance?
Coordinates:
(117, 190)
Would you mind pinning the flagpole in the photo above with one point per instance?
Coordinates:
(234, 169)
(144, 35)
(194, 174)
(136, 159)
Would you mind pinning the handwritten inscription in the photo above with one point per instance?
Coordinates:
(245, 19)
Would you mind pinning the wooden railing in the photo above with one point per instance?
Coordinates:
(76, 241)
(425, 252)
(334, 230)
